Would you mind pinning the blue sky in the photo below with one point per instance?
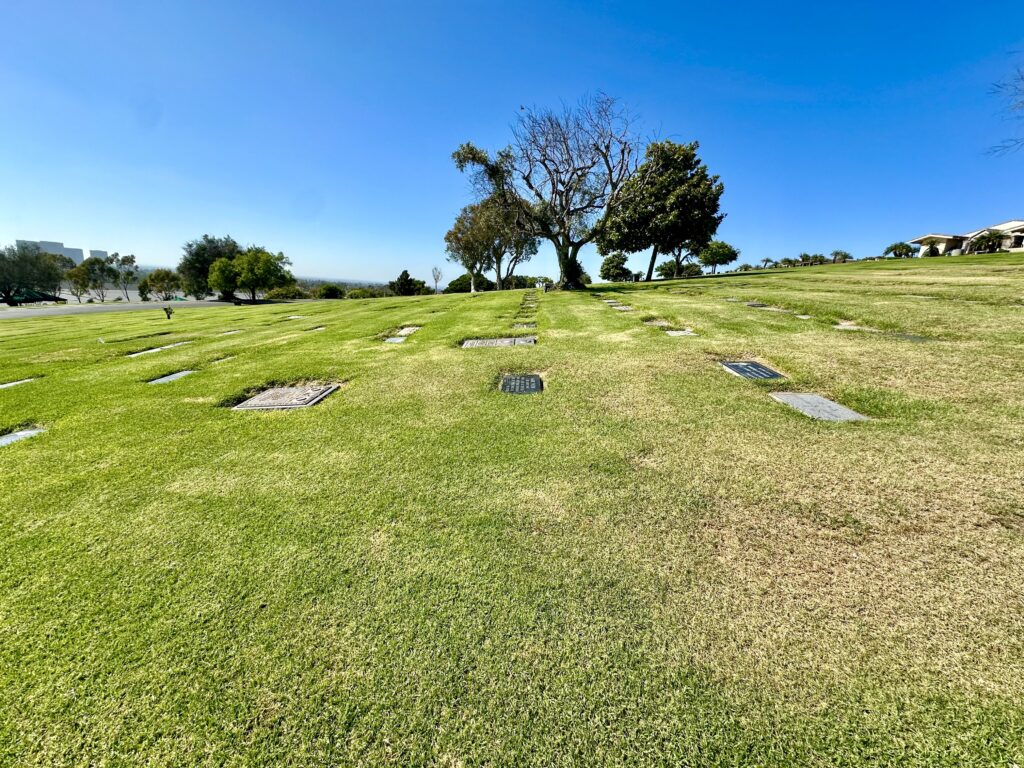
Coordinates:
(325, 129)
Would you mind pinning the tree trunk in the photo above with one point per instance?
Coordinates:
(650, 267)
(497, 273)
(713, 268)
(472, 283)
(570, 272)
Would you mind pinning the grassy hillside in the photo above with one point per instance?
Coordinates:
(650, 563)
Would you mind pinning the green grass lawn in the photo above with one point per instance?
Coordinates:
(650, 563)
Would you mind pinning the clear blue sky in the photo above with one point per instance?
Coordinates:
(324, 129)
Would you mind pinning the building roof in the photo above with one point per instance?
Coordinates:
(1007, 226)
(920, 240)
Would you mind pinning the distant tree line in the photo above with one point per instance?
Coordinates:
(29, 274)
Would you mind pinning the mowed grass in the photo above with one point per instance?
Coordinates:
(650, 563)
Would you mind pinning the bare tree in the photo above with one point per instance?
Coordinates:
(437, 275)
(563, 174)
(1012, 91)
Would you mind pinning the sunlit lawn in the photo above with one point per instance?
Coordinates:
(650, 563)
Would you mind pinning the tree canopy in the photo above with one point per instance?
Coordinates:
(197, 258)
(670, 205)
(258, 270)
(899, 250)
(24, 268)
(406, 285)
(563, 174)
(717, 254)
(471, 240)
(614, 269)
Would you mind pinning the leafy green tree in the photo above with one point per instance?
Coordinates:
(364, 293)
(124, 272)
(78, 281)
(613, 268)
(817, 258)
(287, 293)
(143, 289)
(260, 270)
(671, 205)
(463, 284)
(23, 267)
(223, 278)
(838, 257)
(899, 250)
(669, 270)
(562, 176)
(197, 258)
(471, 240)
(930, 247)
(163, 283)
(330, 291)
(767, 263)
(101, 272)
(406, 285)
(718, 254)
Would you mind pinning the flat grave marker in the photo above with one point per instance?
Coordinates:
(802, 317)
(680, 332)
(295, 317)
(622, 308)
(21, 434)
(756, 304)
(850, 325)
(751, 369)
(171, 377)
(521, 384)
(818, 407)
(394, 339)
(524, 325)
(287, 398)
(511, 341)
(229, 333)
(158, 349)
(408, 330)
(318, 328)
(16, 383)
(657, 323)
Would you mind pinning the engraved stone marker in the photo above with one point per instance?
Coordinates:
(394, 339)
(524, 325)
(683, 332)
(505, 342)
(749, 369)
(408, 330)
(756, 304)
(284, 398)
(171, 377)
(21, 434)
(818, 407)
(521, 384)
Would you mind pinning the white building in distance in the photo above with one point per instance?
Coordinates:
(77, 255)
(954, 245)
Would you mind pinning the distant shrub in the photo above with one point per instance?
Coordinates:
(286, 292)
(461, 284)
(330, 291)
(364, 293)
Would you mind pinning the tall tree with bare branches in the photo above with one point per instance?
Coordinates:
(562, 175)
(1012, 91)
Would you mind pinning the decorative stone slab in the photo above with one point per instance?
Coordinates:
(683, 332)
(521, 384)
(16, 383)
(658, 323)
(524, 325)
(750, 369)
(21, 434)
(506, 342)
(285, 398)
(158, 349)
(171, 377)
(408, 330)
(394, 339)
(818, 407)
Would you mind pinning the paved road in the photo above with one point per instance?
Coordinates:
(48, 310)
